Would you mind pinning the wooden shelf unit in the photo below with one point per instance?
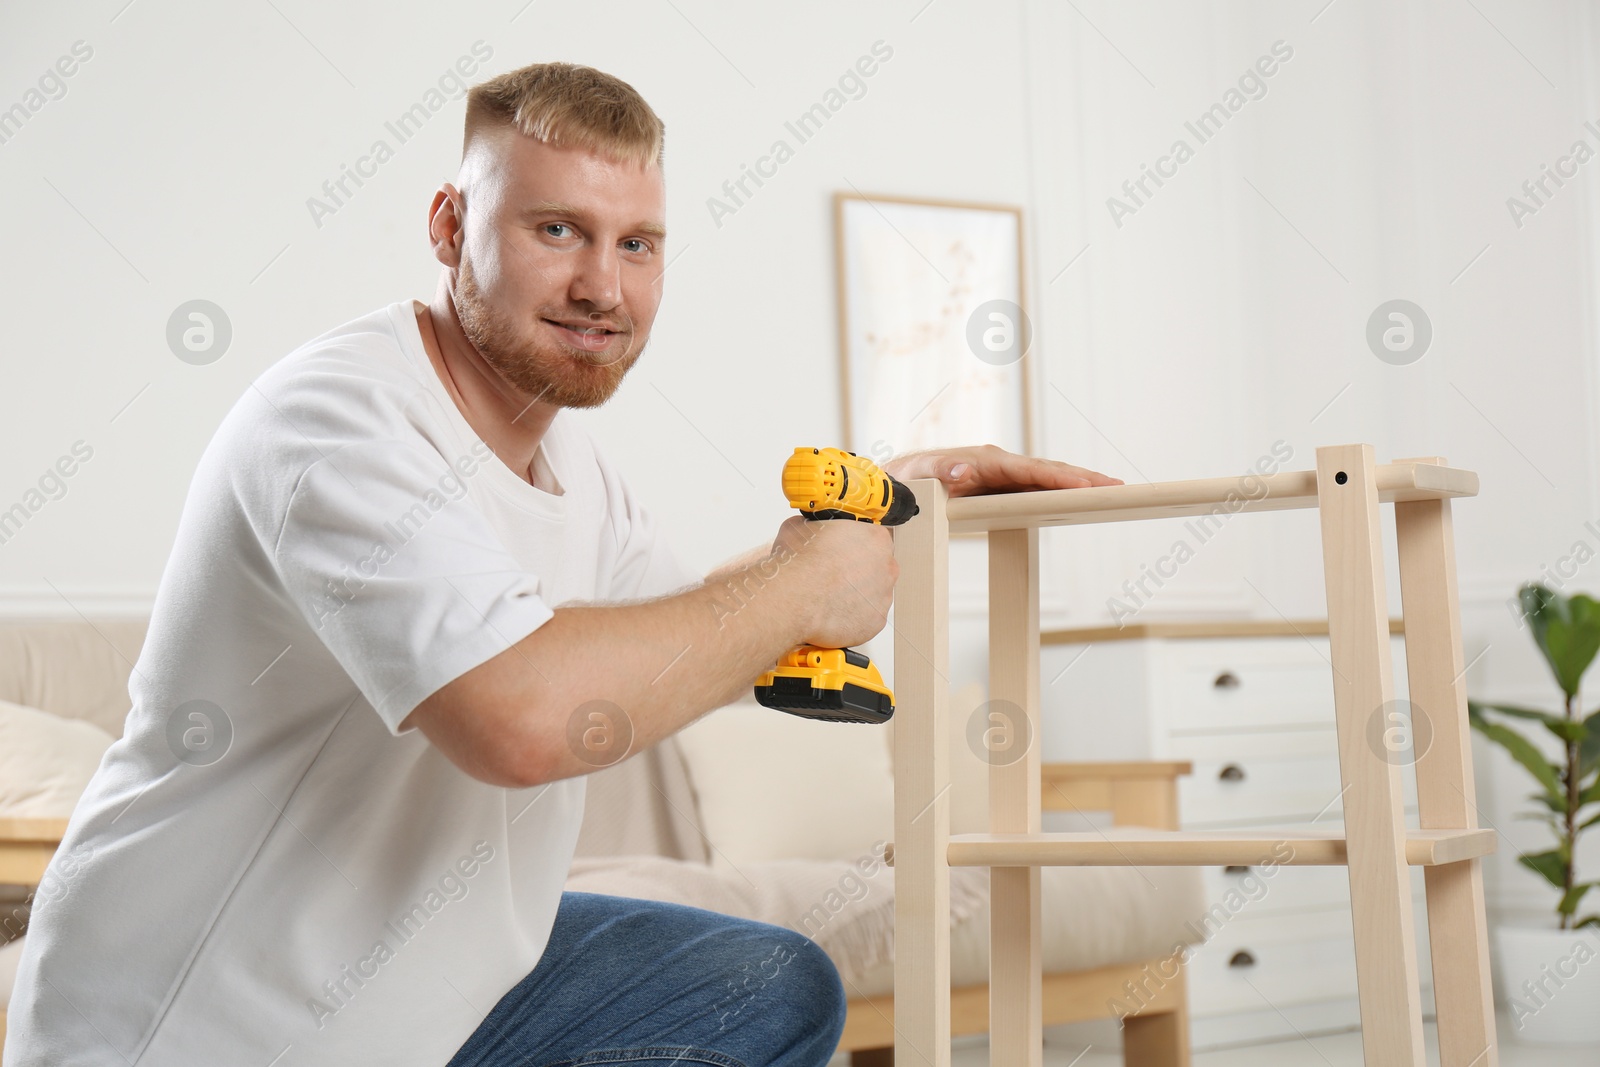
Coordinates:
(1348, 488)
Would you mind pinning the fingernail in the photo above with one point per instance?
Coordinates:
(958, 471)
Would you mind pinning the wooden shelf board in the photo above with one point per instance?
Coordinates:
(1178, 628)
(1132, 847)
(32, 831)
(26, 847)
(1138, 769)
(1201, 496)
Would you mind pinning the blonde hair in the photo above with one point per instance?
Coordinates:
(570, 105)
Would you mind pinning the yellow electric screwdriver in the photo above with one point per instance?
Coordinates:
(835, 684)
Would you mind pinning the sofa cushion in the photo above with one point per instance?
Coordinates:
(45, 761)
(774, 786)
(75, 668)
(1091, 917)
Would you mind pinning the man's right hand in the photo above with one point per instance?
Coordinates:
(845, 571)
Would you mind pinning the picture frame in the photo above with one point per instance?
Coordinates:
(935, 342)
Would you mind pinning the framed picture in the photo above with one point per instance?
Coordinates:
(933, 330)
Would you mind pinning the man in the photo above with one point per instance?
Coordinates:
(337, 828)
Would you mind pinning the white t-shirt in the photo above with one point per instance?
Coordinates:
(329, 890)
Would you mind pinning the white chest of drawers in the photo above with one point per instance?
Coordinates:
(1251, 704)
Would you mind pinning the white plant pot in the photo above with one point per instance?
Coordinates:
(1550, 981)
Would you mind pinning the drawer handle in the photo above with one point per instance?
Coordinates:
(1225, 680)
(1231, 773)
(1234, 868)
(1242, 958)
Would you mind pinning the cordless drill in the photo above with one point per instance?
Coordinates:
(835, 684)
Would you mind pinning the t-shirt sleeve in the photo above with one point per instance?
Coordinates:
(399, 574)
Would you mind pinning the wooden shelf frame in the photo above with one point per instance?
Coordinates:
(26, 846)
(1406, 481)
(1349, 488)
(1188, 848)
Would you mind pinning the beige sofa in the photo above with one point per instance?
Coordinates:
(650, 831)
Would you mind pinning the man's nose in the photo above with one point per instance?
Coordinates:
(597, 280)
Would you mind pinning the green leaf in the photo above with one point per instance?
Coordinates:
(1573, 897)
(1589, 751)
(1520, 712)
(1522, 750)
(1556, 802)
(1590, 821)
(1550, 864)
(1587, 920)
(1566, 629)
(1570, 732)
(1566, 730)
(1590, 795)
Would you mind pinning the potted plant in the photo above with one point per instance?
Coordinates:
(1551, 973)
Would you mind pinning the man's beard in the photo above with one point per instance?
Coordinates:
(549, 372)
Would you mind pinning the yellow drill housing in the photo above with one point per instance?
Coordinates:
(830, 483)
(835, 684)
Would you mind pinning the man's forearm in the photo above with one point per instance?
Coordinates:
(656, 666)
(723, 574)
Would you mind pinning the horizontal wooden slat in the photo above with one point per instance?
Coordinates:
(1134, 847)
(1201, 496)
(1178, 628)
(24, 864)
(37, 830)
(26, 848)
(1135, 769)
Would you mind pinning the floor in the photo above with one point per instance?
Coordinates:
(1336, 1050)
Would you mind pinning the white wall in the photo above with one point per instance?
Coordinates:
(194, 136)
(1206, 327)
(1227, 314)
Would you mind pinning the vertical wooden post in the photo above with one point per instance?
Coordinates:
(922, 784)
(1380, 884)
(1160, 1039)
(1016, 961)
(1457, 923)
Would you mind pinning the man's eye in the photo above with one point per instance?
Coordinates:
(551, 227)
(633, 244)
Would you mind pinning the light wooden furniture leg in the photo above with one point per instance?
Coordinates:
(1016, 960)
(872, 1057)
(26, 848)
(922, 784)
(1457, 922)
(1358, 634)
(1160, 1039)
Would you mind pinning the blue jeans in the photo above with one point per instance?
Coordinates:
(626, 981)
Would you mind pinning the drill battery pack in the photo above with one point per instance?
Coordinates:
(833, 684)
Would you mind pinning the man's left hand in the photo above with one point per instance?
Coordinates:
(989, 469)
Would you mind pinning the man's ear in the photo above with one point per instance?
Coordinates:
(446, 225)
